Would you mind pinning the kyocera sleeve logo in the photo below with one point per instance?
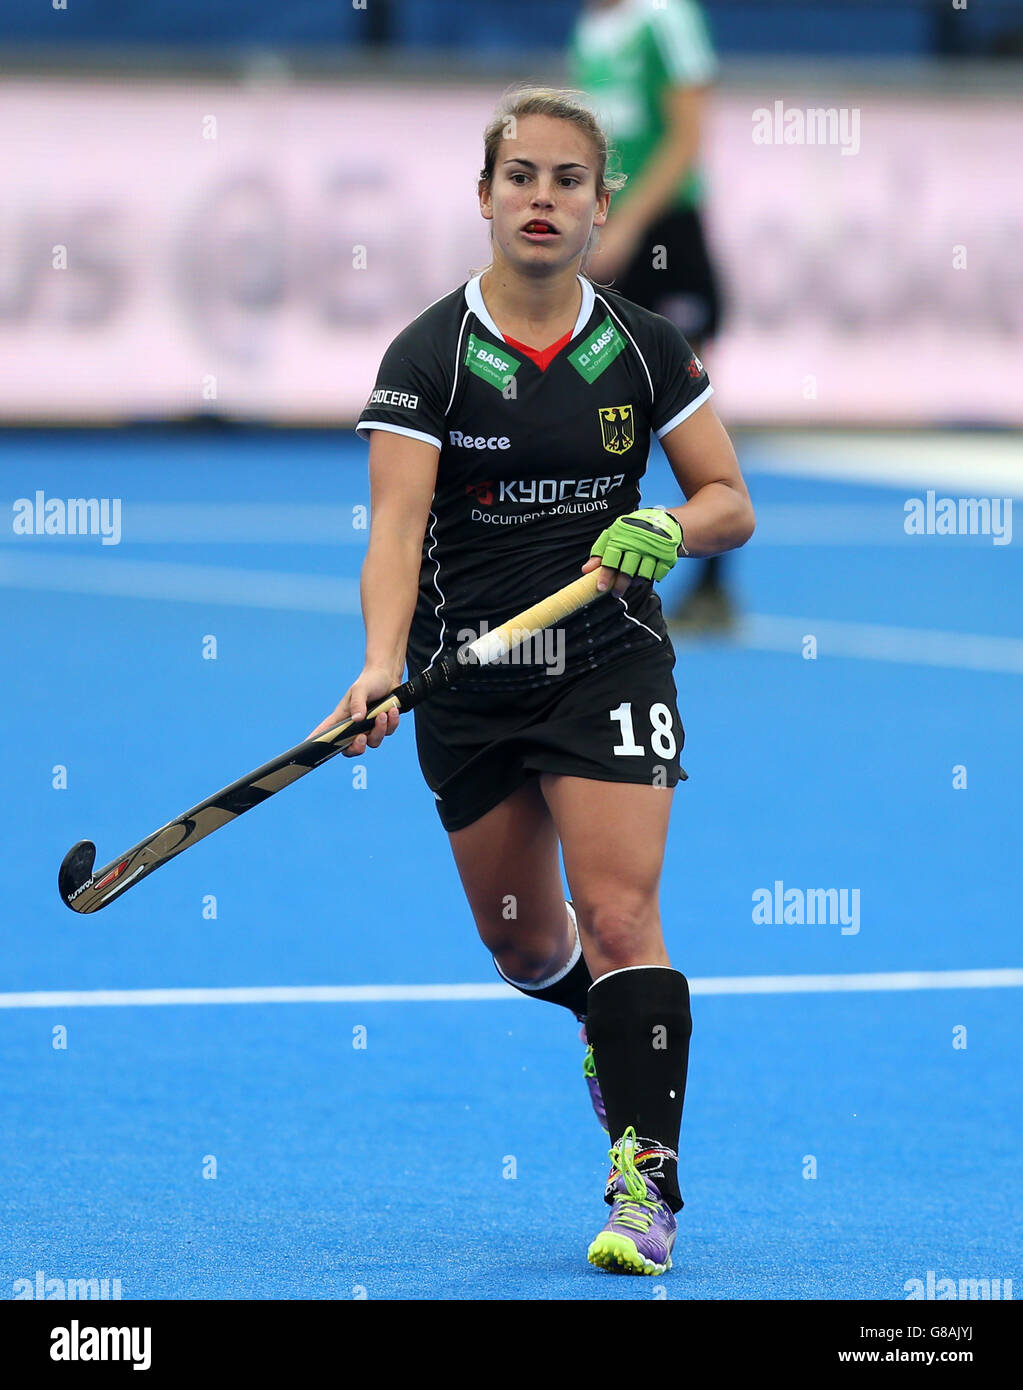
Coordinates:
(391, 396)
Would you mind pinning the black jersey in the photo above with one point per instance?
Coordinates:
(533, 465)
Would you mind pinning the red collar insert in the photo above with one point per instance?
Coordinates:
(543, 357)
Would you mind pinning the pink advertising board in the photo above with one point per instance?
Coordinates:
(168, 247)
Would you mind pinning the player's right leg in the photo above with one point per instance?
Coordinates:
(509, 867)
(505, 847)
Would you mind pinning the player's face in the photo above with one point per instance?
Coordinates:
(543, 196)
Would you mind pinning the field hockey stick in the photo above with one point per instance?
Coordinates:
(84, 890)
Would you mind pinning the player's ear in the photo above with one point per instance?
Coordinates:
(486, 201)
(603, 204)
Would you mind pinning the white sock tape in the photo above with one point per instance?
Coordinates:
(577, 951)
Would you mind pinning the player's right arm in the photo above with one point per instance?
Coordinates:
(402, 475)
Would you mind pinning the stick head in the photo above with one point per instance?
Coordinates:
(76, 871)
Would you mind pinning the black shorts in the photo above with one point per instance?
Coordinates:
(619, 723)
(685, 290)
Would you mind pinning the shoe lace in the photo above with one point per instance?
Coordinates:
(633, 1207)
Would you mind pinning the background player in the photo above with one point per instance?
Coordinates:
(647, 70)
(509, 430)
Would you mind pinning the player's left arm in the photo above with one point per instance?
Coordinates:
(718, 513)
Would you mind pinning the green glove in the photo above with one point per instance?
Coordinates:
(644, 544)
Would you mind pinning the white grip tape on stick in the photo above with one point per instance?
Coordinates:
(492, 646)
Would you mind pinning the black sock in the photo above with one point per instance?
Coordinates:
(570, 987)
(639, 1024)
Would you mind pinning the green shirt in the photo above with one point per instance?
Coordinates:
(625, 57)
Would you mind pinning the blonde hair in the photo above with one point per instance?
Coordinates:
(561, 104)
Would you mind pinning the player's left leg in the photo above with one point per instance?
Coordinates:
(638, 1018)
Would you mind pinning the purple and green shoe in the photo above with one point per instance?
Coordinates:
(590, 1073)
(640, 1231)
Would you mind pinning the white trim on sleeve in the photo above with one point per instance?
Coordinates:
(685, 413)
(366, 425)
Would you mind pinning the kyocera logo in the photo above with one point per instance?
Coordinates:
(479, 441)
(557, 489)
(389, 395)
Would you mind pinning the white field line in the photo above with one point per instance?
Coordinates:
(313, 593)
(909, 646)
(232, 523)
(403, 994)
(272, 523)
(97, 575)
(953, 463)
(850, 524)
